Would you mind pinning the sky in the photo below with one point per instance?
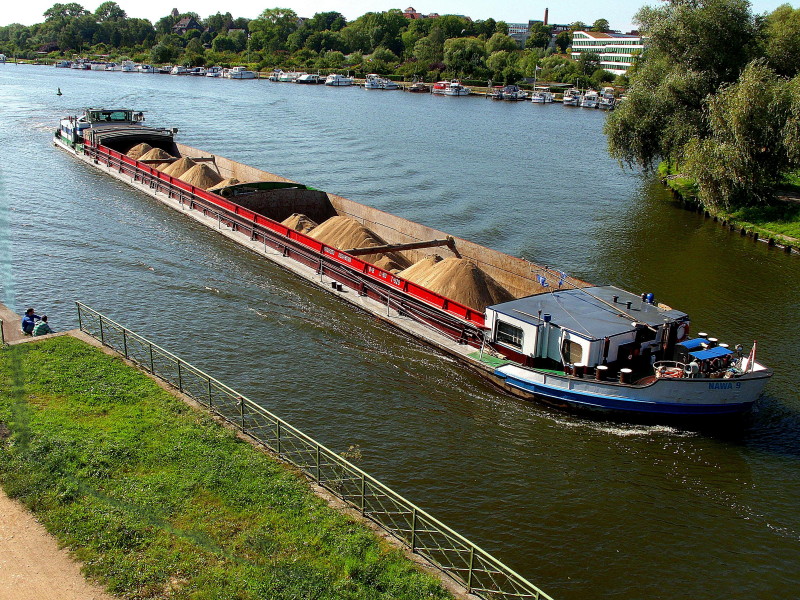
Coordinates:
(619, 13)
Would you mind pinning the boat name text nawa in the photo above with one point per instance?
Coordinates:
(533, 331)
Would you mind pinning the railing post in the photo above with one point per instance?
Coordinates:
(102, 339)
(125, 341)
(210, 399)
(152, 364)
(413, 529)
(471, 562)
(278, 434)
(241, 411)
(2, 334)
(180, 378)
(363, 490)
(80, 321)
(317, 465)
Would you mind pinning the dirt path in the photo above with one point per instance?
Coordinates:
(32, 567)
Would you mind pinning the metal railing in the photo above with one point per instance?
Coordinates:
(470, 566)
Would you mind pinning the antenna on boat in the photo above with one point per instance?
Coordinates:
(616, 308)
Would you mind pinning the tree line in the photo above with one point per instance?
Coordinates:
(382, 42)
(716, 95)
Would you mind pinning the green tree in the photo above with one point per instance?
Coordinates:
(754, 133)
(109, 11)
(694, 47)
(501, 41)
(783, 40)
(539, 37)
(563, 41)
(601, 26)
(272, 28)
(464, 56)
(64, 11)
(430, 49)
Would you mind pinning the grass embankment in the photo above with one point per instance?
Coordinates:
(158, 501)
(780, 220)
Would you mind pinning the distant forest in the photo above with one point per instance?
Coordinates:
(381, 42)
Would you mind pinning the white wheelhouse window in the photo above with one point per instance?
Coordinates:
(509, 335)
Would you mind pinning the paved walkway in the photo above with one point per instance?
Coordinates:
(12, 324)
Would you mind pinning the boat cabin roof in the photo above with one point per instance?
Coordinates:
(589, 312)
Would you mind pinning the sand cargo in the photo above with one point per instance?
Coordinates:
(531, 330)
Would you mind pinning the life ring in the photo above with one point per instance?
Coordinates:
(683, 332)
(673, 372)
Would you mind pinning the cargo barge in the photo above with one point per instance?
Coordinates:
(532, 331)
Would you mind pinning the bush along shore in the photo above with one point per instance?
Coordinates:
(776, 224)
(157, 500)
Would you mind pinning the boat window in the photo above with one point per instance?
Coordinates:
(573, 352)
(509, 335)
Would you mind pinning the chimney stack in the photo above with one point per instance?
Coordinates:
(546, 10)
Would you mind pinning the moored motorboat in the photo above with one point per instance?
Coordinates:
(372, 81)
(419, 87)
(590, 99)
(337, 80)
(289, 76)
(310, 79)
(513, 92)
(495, 93)
(572, 97)
(541, 96)
(240, 73)
(179, 70)
(440, 86)
(456, 89)
(128, 66)
(145, 69)
(214, 72)
(539, 334)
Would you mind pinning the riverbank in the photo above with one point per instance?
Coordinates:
(779, 222)
(99, 451)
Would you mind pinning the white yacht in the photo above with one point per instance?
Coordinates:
(372, 82)
(240, 73)
(128, 66)
(572, 97)
(455, 88)
(214, 72)
(289, 76)
(590, 99)
(337, 80)
(541, 96)
(179, 70)
(388, 84)
(309, 79)
(146, 69)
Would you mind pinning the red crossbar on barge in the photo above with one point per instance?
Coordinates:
(456, 320)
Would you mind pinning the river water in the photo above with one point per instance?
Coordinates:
(583, 509)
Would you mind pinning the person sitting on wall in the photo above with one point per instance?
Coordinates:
(42, 327)
(29, 321)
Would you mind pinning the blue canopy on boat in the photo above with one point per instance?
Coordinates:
(714, 352)
(694, 343)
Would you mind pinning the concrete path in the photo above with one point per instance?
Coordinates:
(12, 324)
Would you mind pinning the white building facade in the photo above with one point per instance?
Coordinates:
(617, 51)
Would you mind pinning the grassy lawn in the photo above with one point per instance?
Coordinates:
(780, 220)
(158, 501)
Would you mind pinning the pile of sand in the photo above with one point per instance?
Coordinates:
(179, 167)
(345, 233)
(418, 272)
(459, 280)
(138, 150)
(299, 222)
(201, 176)
(155, 154)
(224, 183)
